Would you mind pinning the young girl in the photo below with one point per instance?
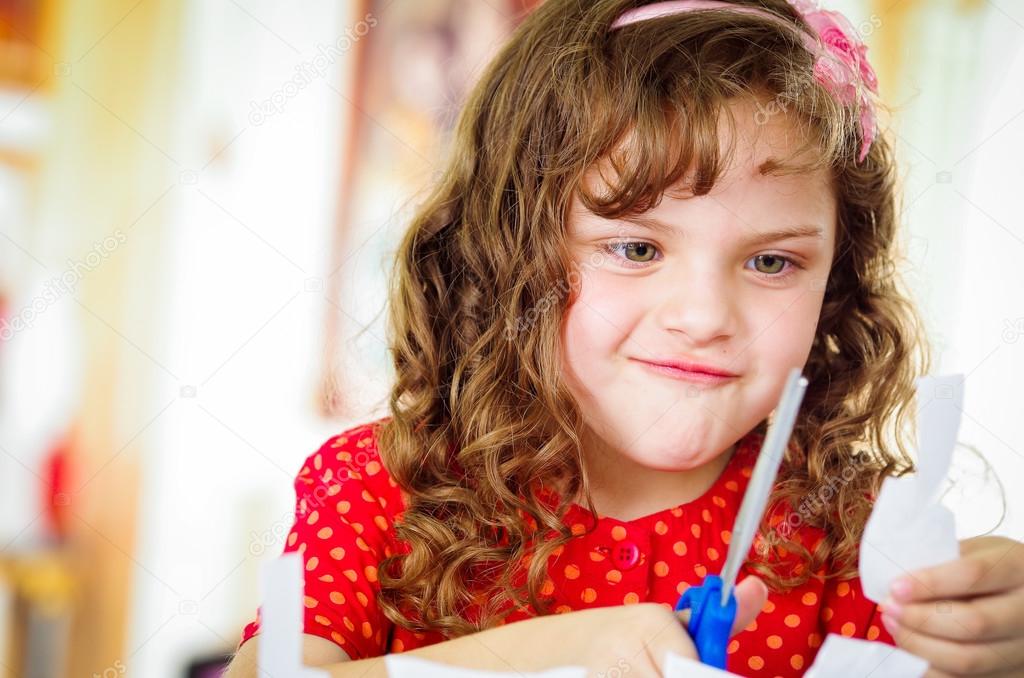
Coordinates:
(651, 213)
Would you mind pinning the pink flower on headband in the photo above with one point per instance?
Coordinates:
(842, 66)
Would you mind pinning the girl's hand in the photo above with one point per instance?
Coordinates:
(965, 617)
(607, 641)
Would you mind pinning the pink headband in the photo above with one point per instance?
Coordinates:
(840, 65)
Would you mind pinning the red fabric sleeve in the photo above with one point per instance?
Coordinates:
(342, 527)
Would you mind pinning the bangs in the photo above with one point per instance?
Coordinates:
(666, 89)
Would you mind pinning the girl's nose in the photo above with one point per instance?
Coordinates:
(699, 304)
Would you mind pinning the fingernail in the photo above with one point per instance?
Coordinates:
(901, 589)
(890, 624)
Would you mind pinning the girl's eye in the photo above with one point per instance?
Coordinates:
(637, 252)
(773, 265)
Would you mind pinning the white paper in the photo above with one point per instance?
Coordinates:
(280, 646)
(856, 658)
(677, 666)
(403, 666)
(909, 529)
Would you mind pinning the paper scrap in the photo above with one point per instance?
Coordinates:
(856, 658)
(677, 666)
(909, 529)
(280, 646)
(404, 666)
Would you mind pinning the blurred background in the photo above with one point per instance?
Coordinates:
(198, 201)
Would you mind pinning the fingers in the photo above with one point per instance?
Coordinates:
(751, 594)
(960, 659)
(985, 565)
(986, 618)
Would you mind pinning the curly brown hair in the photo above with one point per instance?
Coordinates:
(479, 414)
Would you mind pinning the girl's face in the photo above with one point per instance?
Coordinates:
(707, 280)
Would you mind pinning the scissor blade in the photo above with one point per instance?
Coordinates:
(763, 478)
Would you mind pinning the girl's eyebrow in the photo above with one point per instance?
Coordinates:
(757, 238)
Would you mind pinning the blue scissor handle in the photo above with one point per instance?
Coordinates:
(710, 622)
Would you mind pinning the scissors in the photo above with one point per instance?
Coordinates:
(712, 605)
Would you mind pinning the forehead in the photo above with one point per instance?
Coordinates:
(760, 150)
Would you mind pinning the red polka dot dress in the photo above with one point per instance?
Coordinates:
(346, 504)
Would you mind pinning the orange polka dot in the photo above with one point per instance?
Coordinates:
(796, 661)
(367, 630)
(322, 620)
(695, 530)
(718, 501)
(809, 598)
(318, 462)
(706, 515)
(631, 598)
(613, 576)
(572, 572)
(597, 556)
(361, 543)
(843, 588)
(562, 609)
(588, 595)
(681, 586)
(548, 587)
(726, 537)
(371, 572)
(746, 471)
(755, 662)
(329, 578)
(712, 553)
(337, 553)
(358, 527)
(312, 563)
(679, 548)
(774, 642)
(344, 506)
(351, 575)
(337, 598)
(361, 597)
(313, 517)
(733, 646)
(340, 639)
(381, 522)
(848, 629)
(873, 632)
(826, 613)
(661, 568)
(752, 626)
(660, 527)
(732, 485)
(769, 607)
(792, 621)
(397, 645)
(677, 512)
(291, 538)
(373, 468)
(700, 570)
(578, 528)
(309, 602)
(814, 640)
(618, 533)
(348, 624)
(325, 533)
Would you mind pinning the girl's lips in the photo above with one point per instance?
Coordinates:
(686, 375)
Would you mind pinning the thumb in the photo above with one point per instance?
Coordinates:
(751, 595)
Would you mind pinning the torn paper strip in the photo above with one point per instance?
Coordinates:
(909, 529)
(280, 646)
